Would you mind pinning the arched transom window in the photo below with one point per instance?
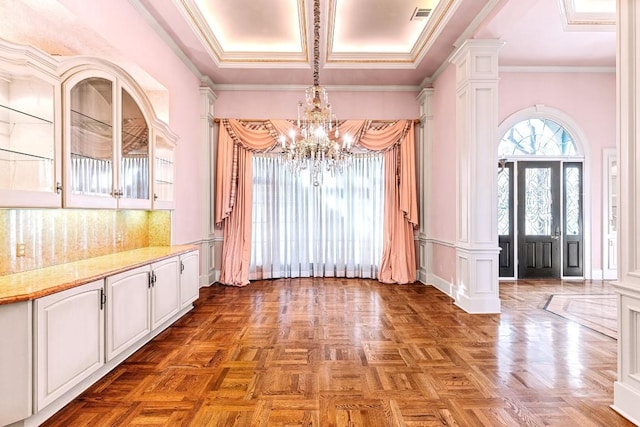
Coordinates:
(537, 137)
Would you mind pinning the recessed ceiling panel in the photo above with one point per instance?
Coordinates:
(377, 25)
(384, 33)
(255, 26)
(595, 6)
(265, 33)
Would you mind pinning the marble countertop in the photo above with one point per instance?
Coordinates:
(34, 284)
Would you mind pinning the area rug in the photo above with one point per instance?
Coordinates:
(594, 311)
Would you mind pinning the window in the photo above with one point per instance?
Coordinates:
(330, 230)
(537, 137)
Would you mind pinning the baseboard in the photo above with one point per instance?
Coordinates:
(625, 402)
(422, 277)
(478, 305)
(596, 274)
(441, 284)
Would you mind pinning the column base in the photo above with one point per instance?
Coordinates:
(478, 305)
(476, 289)
(625, 402)
(626, 390)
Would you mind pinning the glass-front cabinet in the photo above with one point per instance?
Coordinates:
(163, 173)
(79, 133)
(30, 143)
(107, 147)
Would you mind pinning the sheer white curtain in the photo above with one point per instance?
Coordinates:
(332, 230)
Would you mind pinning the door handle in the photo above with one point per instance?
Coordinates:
(556, 234)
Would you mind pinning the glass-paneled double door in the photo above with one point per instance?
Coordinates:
(540, 219)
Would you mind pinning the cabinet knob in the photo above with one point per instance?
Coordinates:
(155, 197)
(58, 187)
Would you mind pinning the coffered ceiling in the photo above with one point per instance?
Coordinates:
(246, 41)
(366, 43)
(278, 33)
(377, 42)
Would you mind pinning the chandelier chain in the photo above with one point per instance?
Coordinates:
(316, 42)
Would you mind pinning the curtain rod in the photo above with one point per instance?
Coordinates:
(217, 120)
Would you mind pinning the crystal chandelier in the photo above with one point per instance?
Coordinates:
(317, 146)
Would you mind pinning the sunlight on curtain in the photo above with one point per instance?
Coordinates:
(333, 230)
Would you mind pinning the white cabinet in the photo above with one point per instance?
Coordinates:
(139, 301)
(30, 137)
(16, 334)
(128, 307)
(106, 143)
(165, 290)
(69, 340)
(51, 348)
(88, 119)
(189, 278)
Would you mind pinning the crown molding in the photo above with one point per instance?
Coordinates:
(554, 69)
(155, 25)
(466, 34)
(301, 88)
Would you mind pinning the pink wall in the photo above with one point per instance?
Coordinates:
(442, 206)
(346, 105)
(589, 99)
(130, 37)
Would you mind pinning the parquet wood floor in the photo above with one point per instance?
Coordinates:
(350, 352)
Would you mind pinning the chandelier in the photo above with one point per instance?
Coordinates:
(317, 146)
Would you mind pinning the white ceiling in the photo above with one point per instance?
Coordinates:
(362, 42)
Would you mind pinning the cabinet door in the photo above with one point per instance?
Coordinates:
(89, 140)
(165, 291)
(189, 278)
(69, 340)
(163, 170)
(128, 305)
(134, 186)
(30, 137)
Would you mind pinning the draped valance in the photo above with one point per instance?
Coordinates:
(237, 142)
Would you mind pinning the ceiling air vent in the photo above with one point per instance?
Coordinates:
(420, 13)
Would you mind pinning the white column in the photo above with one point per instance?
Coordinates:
(425, 141)
(476, 287)
(207, 157)
(626, 391)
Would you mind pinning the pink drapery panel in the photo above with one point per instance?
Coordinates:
(398, 263)
(234, 174)
(238, 140)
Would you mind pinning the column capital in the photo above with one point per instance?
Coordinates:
(477, 59)
(425, 93)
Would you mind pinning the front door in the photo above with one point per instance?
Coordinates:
(539, 222)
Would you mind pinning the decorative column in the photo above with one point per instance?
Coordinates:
(207, 157)
(476, 287)
(425, 141)
(626, 391)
